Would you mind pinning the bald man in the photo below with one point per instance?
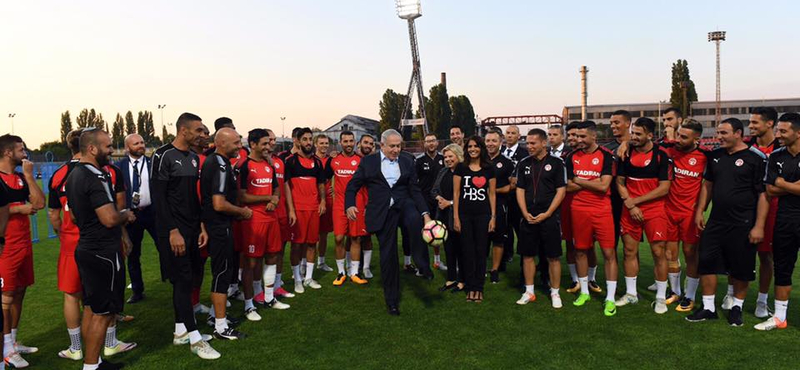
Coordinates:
(136, 173)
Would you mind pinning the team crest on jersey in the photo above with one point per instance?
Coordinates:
(739, 162)
(692, 161)
(647, 162)
(353, 162)
(277, 166)
(499, 164)
(548, 167)
(20, 183)
(440, 163)
(194, 162)
(595, 161)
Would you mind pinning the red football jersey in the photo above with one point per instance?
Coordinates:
(591, 166)
(304, 175)
(57, 194)
(687, 179)
(18, 228)
(328, 195)
(643, 172)
(201, 158)
(258, 178)
(342, 168)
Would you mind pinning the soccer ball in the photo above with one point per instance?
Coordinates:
(434, 233)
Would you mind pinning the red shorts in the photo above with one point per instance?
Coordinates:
(594, 226)
(306, 229)
(343, 226)
(566, 224)
(286, 231)
(69, 280)
(16, 267)
(769, 227)
(261, 237)
(682, 228)
(236, 226)
(326, 220)
(655, 225)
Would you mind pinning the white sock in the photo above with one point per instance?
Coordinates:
(303, 261)
(321, 260)
(708, 303)
(194, 336)
(8, 345)
(573, 272)
(691, 287)
(309, 270)
(611, 290)
(529, 289)
(14, 335)
(554, 291)
(239, 275)
(75, 338)
(220, 324)
(91, 367)
(675, 282)
(340, 266)
(269, 281)
(730, 290)
(354, 267)
(630, 286)
(248, 304)
(347, 258)
(592, 273)
(661, 289)
(111, 336)
(406, 260)
(780, 309)
(278, 280)
(436, 258)
(762, 298)
(180, 329)
(367, 258)
(584, 281)
(296, 274)
(738, 302)
(258, 287)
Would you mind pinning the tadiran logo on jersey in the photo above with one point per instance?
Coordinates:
(587, 173)
(261, 183)
(684, 172)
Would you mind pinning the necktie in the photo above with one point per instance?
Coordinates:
(508, 152)
(136, 176)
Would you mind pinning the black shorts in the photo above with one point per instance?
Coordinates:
(500, 233)
(543, 239)
(102, 279)
(186, 267)
(785, 245)
(223, 264)
(726, 249)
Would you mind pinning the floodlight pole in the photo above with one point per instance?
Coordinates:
(416, 77)
(717, 37)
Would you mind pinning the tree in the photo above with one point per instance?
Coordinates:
(140, 125)
(118, 132)
(90, 118)
(438, 112)
(680, 74)
(149, 134)
(166, 137)
(66, 126)
(391, 110)
(58, 148)
(130, 126)
(463, 114)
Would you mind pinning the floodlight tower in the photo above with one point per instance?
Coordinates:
(410, 10)
(717, 37)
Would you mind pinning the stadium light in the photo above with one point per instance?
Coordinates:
(409, 9)
(717, 37)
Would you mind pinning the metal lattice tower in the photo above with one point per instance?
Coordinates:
(717, 37)
(416, 77)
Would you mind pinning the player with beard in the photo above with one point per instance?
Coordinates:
(321, 145)
(428, 165)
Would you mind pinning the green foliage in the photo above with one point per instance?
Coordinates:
(58, 148)
(118, 132)
(438, 111)
(90, 118)
(391, 110)
(463, 115)
(66, 126)
(166, 137)
(130, 126)
(680, 73)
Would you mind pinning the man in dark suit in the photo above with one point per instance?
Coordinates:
(515, 152)
(136, 172)
(555, 139)
(394, 199)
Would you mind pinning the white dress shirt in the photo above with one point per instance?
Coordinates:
(511, 150)
(556, 152)
(391, 171)
(144, 180)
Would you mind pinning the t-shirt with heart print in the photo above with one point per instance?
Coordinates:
(474, 198)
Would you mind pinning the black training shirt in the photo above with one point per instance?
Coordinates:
(783, 164)
(427, 170)
(217, 178)
(503, 171)
(89, 188)
(474, 198)
(173, 184)
(540, 179)
(738, 180)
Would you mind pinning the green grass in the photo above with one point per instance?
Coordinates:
(347, 327)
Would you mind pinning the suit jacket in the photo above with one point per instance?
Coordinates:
(380, 194)
(564, 152)
(124, 165)
(518, 155)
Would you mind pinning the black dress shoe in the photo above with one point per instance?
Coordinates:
(136, 297)
(447, 287)
(394, 311)
(105, 365)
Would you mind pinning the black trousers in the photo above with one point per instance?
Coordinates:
(474, 242)
(181, 272)
(406, 215)
(452, 247)
(616, 212)
(145, 220)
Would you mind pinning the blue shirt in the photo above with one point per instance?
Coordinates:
(391, 171)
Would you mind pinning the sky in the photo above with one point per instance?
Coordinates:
(315, 61)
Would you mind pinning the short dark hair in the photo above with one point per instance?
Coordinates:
(7, 142)
(495, 130)
(346, 133)
(300, 131)
(693, 125)
(572, 125)
(558, 127)
(623, 113)
(767, 113)
(185, 118)
(538, 132)
(793, 118)
(366, 136)
(735, 123)
(677, 112)
(89, 137)
(74, 141)
(588, 125)
(646, 123)
(255, 135)
(223, 122)
(456, 126)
